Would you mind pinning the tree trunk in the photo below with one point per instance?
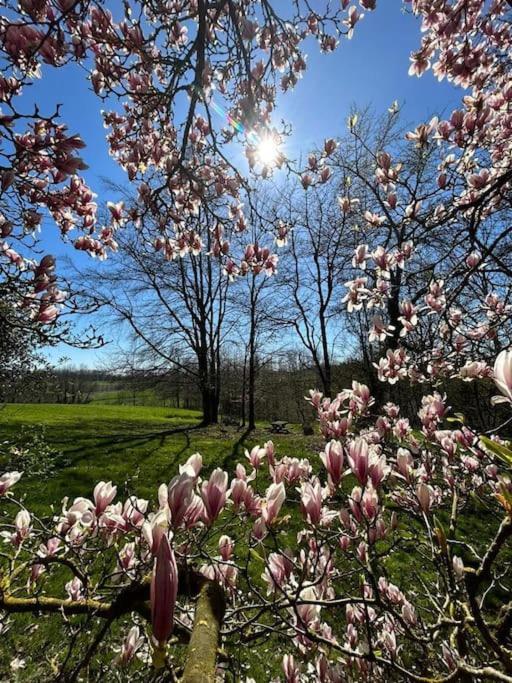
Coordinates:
(252, 391)
(251, 384)
(325, 370)
(251, 379)
(210, 405)
(244, 392)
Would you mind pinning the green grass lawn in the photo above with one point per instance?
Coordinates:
(137, 447)
(109, 396)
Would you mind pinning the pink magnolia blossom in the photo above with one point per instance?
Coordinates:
(358, 459)
(378, 468)
(278, 571)
(458, 567)
(347, 204)
(154, 530)
(226, 546)
(116, 211)
(309, 610)
(47, 314)
(424, 495)
(75, 589)
(503, 376)
(163, 592)
(226, 574)
(379, 330)
(290, 669)
(311, 501)
(259, 530)
(50, 547)
(255, 456)
(375, 220)
(473, 259)
(22, 528)
(111, 523)
(370, 502)
(354, 503)
(128, 560)
(195, 512)
(134, 510)
(360, 256)
(332, 458)
(237, 492)
(408, 317)
(315, 397)
(8, 480)
(104, 493)
(163, 497)
(389, 640)
(193, 466)
(252, 502)
(409, 614)
(270, 452)
(131, 644)
(272, 503)
(180, 497)
(214, 494)
(35, 573)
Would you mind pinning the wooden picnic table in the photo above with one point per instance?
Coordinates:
(278, 427)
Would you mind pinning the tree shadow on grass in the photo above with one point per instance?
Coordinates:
(146, 466)
(120, 443)
(232, 458)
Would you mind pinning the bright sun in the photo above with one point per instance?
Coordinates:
(268, 150)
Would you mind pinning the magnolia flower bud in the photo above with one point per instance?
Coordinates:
(423, 493)
(163, 592)
(214, 494)
(8, 480)
(458, 567)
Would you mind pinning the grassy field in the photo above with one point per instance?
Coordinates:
(137, 447)
(140, 397)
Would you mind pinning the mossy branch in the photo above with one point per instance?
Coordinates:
(204, 641)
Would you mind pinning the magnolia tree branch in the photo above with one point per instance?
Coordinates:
(205, 639)
(205, 636)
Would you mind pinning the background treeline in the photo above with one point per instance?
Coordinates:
(288, 375)
(183, 333)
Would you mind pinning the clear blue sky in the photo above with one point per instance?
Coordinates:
(370, 69)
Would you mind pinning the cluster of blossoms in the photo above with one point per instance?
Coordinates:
(453, 298)
(145, 61)
(469, 45)
(42, 172)
(256, 259)
(351, 509)
(402, 322)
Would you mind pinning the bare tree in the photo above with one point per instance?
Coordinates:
(396, 190)
(176, 310)
(316, 261)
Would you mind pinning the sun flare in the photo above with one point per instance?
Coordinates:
(268, 150)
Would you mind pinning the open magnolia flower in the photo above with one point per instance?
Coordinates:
(503, 377)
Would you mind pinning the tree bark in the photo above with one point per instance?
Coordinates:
(210, 405)
(204, 642)
(252, 369)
